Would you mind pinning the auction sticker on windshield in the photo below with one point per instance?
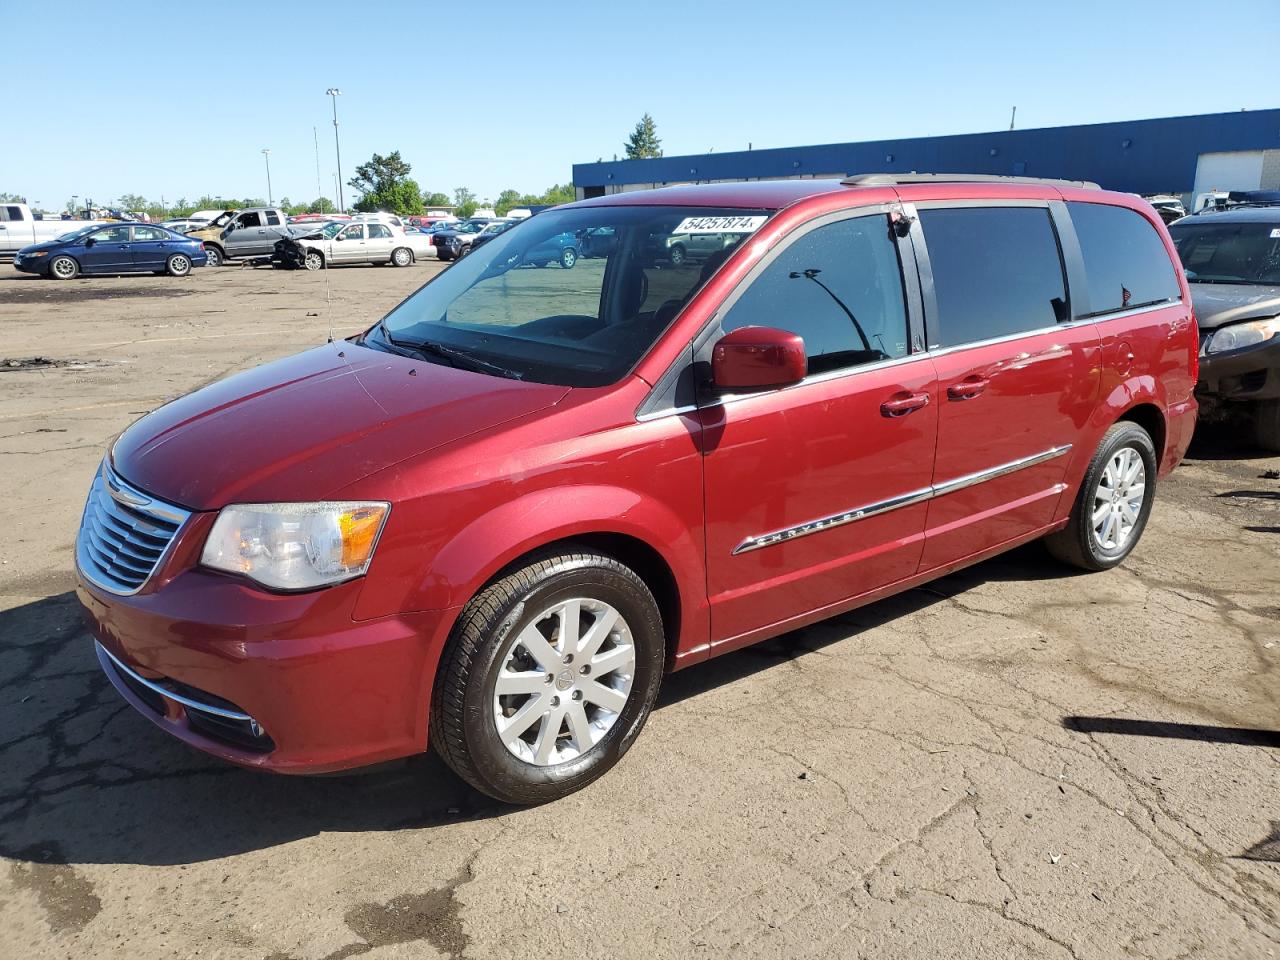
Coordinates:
(720, 224)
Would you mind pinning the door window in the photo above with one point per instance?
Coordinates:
(1125, 259)
(997, 271)
(378, 231)
(149, 233)
(353, 232)
(111, 235)
(250, 220)
(273, 218)
(839, 287)
(11, 213)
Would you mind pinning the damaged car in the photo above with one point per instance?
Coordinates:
(363, 241)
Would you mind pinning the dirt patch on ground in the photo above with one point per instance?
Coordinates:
(85, 289)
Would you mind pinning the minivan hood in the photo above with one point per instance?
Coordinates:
(304, 427)
(1218, 304)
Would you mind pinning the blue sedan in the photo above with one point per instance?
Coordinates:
(113, 248)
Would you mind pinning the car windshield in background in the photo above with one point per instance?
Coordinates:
(1225, 252)
(524, 309)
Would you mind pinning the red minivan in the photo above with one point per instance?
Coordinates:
(495, 519)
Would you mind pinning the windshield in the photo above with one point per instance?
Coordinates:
(525, 304)
(1241, 252)
(76, 233)
(331, 229)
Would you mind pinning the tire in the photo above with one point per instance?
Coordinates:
(216, 257)
(401, 257)
(1266, 424)
(677, 255)
(63, 267)
(313, 260)
(1124, 448)
(563, 747)
(568, 257)
(179, 265)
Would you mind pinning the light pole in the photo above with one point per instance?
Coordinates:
(337, 147)
(316, 136)
(266, 155)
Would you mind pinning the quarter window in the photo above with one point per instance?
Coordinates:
(839, 287)
(1124, 258)
(997, 272)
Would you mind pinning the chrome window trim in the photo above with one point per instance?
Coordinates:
(168, 694)
(129, 496)
(931, 492)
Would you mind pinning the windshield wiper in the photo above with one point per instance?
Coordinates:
(454, 357)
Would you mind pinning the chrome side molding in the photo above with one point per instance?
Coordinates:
(895, 503)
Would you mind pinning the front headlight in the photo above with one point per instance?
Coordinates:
(1240, 335)
(295, 546)
(35, 253)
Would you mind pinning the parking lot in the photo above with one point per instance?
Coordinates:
(1015, 761)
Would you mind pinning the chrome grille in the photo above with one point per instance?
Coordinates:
(124, 533)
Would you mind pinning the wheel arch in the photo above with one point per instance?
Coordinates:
(1150, 418)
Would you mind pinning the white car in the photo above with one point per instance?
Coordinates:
(367, 240)
(19, 228)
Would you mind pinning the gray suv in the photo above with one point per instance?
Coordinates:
(1232, 260)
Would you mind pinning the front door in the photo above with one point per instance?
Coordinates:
(249, 238)
(107, 250)
(1017, 380)
(348, 245)
(816, 493)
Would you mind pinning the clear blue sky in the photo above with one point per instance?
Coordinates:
(179, 99)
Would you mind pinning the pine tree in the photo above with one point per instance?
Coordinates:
(643, 142)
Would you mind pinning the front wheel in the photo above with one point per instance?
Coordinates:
(568, 257)
(314, 260)
(216, 257)
(677, 255)
(179, 265)
(63, 268)
(401, 256)
(1114, 501)
(548, 677)
(1266, 424)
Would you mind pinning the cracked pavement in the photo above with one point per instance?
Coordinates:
(1013, 761)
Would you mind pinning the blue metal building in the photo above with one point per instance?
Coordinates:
(1166, 155)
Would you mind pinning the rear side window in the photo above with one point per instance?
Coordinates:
(11, 213)
(1125, 259)
(377, 230)
(149, 233)
(273, 218)
(997, 271)
(839, 287)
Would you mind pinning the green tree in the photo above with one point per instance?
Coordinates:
(132, 202)
(507, 200)
(643, 142)
(436, 199)
(384, 184)
(464, 202)
(11, 198)
(321, 205)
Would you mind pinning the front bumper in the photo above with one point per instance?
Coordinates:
(31, 264)
(1249, 374)
(283, 682)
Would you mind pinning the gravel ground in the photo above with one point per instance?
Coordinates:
(1013, 761)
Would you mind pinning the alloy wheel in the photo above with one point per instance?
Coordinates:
(64, 268)
(1118, 499)
(564, 681)
(313, 261)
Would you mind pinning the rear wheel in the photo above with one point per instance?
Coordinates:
(548, 677)
(1266, 424)
(63, 268)
(179, 265)
(401, 257)
(1114, 501)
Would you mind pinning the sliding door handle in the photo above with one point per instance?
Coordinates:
(967, 389)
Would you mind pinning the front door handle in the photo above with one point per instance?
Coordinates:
(901, 404)
(967, 389)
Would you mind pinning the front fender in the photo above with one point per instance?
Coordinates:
(476, 552)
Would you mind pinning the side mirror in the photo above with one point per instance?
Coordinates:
(340, 237)
(89, 241)
(752, 357)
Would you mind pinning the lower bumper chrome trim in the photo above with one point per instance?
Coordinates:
(105, 656)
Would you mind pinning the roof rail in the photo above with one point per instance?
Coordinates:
(895, 179)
